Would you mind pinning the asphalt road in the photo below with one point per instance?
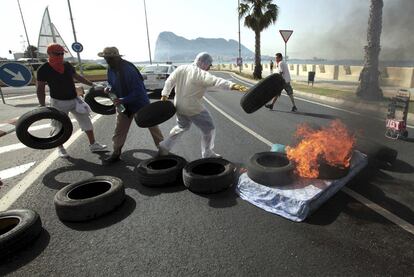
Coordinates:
(173, 232)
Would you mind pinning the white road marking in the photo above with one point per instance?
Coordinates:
(325, 105)
(11, 147)
(388, 215)
(14, 171)
(22, 96)
(13, 194)
(385, 213)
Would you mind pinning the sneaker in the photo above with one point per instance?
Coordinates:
(96, 147)
(111, 159)
(211, 154)
(162, 151)
(269, 106)
(62, 152)
(294, 109)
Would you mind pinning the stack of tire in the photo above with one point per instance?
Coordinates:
(208, 175)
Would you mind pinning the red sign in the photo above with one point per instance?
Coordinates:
(286, 34)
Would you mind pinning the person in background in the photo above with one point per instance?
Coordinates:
(191, 82)
(59, 75)
(283, 70)
(126, 82)
(271, 66)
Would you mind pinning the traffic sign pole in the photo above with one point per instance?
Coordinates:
(285, 35)
(2, 97)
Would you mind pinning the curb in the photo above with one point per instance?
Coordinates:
(350, 104)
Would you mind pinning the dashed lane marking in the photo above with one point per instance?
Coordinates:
(14, 193)
(14, 171)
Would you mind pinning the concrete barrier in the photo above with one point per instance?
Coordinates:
(397, 76)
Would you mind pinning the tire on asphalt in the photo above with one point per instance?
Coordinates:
(262, 92)
(154, 114)
(270, 169)
(209, 175)
(27, 119)
(95, 105)
(89, 199)
(377, 154)
(161, 171)
(18, 228)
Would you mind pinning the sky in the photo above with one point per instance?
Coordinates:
(332, 29)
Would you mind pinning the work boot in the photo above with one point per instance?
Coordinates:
(269, 106)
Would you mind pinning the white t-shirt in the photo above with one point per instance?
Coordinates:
(283, 69)
(190, 84)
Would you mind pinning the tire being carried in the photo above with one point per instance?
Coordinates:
(27, 119)
(154, 114)
(210, 175)
(18, 228)
(161, 171)
(89, 199)
(95, 105)
(262, 92)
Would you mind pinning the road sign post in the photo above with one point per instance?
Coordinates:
(286, 35)
(2, 97)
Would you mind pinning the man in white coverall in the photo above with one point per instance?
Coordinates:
(191, 82)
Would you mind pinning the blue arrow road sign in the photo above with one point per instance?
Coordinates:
(77, 47)
(15, 74)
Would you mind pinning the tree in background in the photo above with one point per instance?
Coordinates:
(369, 88)
(258, 15)
(31, 52)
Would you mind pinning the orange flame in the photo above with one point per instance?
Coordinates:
(332, 144)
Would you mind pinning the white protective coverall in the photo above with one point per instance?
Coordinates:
(191, 82)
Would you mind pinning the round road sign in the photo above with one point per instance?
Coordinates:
(77, 47)
(15, 74)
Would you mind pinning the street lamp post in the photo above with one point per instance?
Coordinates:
(146, 23)
(74, 36)
(238, 15)
(25, 30)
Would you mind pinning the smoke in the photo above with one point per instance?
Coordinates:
(346, 38)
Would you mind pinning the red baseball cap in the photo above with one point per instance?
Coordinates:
(55, 48)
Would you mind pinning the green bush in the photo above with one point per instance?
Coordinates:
(91, 66)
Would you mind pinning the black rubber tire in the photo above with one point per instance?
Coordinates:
(95, 105)
(262, 92)
(72, 203)
(154, 114)
(27, 119)
(270, 169)
(377, 154)
(328, 172)
(210, 175)
(161, 171)
(18, 228)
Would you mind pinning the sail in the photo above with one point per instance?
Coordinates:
(49, 34)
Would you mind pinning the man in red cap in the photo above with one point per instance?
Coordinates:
(59, 75)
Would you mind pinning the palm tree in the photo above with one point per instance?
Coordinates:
(369, 78)
(258, 15)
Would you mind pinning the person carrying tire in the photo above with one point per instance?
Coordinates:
(127, 83)
(59, 75)
(190, 82)
(282, 69)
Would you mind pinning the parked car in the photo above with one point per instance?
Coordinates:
(155, 75)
